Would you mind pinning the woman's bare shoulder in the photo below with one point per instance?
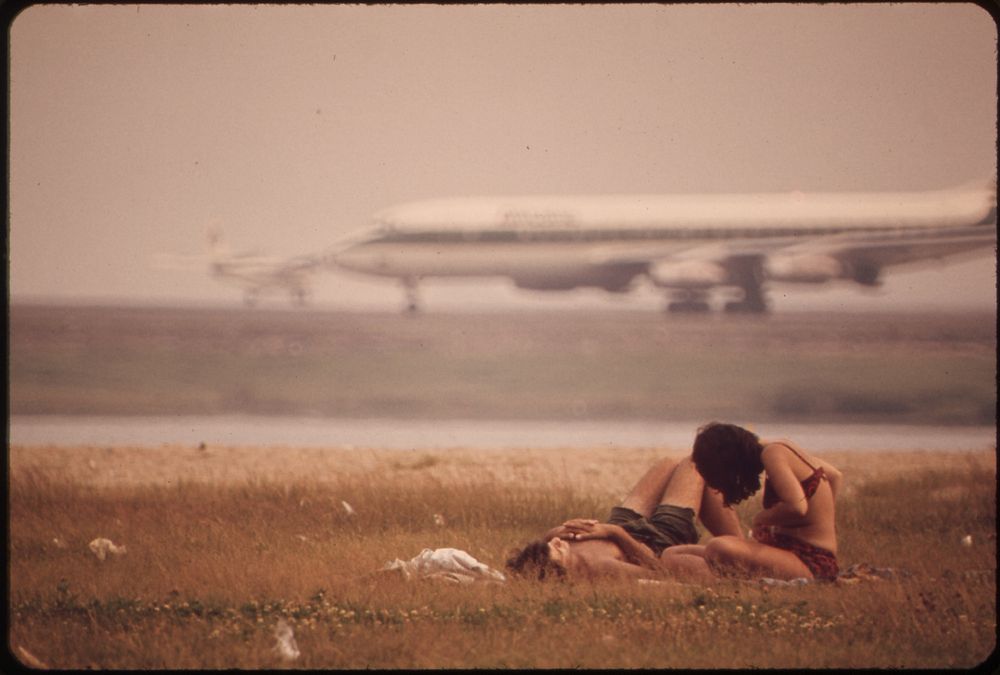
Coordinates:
(777, 446)
(783, 447)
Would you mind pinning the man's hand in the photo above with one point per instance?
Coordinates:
(570, 529)
(580, 529)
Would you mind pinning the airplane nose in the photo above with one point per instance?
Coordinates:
(357, 258)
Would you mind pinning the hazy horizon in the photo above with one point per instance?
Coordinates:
(135, 127)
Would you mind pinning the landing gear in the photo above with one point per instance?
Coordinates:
(410, 288)
(753, 302)
(688, 302)
(747, 273)
(866, 273)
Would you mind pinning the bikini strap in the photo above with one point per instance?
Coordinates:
(814, 468)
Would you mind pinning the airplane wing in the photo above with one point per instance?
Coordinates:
(750, 261)
(893, 249)
(885, 239)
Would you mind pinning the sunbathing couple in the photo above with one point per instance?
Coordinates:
(652, 533)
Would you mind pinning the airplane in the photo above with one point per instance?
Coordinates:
(258, 274)
(255, 273)
(687, 244)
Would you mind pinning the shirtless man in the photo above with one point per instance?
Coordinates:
(658, 513)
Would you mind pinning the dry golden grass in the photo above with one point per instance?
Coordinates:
(224, 542)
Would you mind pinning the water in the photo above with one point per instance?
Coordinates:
(403, 434)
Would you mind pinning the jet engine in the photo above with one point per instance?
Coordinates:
(614, 279)
(810, 269)
(541, 284)
(691, 274)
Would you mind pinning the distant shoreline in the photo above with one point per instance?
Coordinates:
(243, 430)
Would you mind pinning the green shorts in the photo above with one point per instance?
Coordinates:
(668, 526)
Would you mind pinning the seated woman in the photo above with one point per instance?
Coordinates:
(658, 513)
(794, 535)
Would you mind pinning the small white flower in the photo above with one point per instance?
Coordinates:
(348, 508)
(967, 540)
(439, 520)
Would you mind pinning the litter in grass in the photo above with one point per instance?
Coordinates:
(447, 564)
(101, 547)
(286, 647)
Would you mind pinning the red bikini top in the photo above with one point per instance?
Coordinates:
(809, 485)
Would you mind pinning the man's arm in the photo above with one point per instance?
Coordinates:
(566, 529)
(635, 552)
(620, 568)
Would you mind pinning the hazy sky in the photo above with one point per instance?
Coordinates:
(133, 128)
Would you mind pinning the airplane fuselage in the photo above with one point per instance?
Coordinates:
(605, 241)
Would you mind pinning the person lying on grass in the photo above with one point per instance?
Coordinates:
(794, 535)
(658, 513)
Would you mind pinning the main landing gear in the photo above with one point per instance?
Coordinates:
(753, 302)
(747, 272)
(412, 300)
(300, 296)
(696, 302)
(688, 301)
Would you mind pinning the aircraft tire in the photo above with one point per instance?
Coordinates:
(746, 307)
(688, 306)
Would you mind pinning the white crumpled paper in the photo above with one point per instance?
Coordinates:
(285, 644)
(101, 547)
(447, 564)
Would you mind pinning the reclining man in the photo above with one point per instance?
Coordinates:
(658, 513)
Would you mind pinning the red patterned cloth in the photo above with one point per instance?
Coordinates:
(821, 562)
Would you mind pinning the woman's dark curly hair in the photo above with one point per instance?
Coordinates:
(728, 458)
(534, 559)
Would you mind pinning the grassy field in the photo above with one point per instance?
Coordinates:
(912, 369)
(224, 542)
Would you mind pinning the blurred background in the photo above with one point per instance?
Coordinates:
(137, 129)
